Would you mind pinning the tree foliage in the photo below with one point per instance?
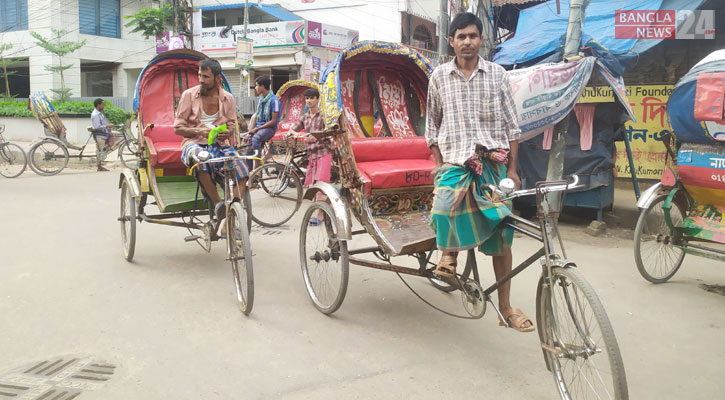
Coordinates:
(60, 48)
(151, 22)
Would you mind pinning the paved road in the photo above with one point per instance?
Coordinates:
(169, 322)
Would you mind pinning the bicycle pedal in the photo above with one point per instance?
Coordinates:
(192, 238)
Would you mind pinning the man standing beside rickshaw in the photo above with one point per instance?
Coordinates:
(473, 133)
(201, 109)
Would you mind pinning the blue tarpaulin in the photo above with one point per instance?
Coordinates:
(278, 12)
(541, 31)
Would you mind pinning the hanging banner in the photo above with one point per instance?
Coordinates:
(544, 94)
(244, 57)
(272, 34)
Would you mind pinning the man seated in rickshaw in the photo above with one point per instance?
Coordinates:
(201, 109)
(473, 133)
(266, 116)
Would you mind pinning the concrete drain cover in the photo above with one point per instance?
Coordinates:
(55, 379)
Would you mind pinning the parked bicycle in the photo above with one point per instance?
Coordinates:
(12, 157)
(277, 186)
(50, 155)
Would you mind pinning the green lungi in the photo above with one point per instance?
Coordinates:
(464, 215)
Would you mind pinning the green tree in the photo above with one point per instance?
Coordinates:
(5, 62)
(60, 48)
(151, 22)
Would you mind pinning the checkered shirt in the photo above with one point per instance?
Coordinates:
(463, 113)
(313, 123)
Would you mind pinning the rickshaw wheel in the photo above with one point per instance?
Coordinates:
(240, 254)
(577, 339)
(324, 259)
(657, 260)
(128, 222)
(466, 258)
(127, 152)
(278, 191)
(48, 157)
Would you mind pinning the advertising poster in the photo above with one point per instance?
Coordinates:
(649, 104)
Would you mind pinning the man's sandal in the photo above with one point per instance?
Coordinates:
(446, 267)
(517, 319)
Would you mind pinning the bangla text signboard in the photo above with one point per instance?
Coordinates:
(645, 136)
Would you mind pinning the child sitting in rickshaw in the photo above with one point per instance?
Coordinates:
(319, 152)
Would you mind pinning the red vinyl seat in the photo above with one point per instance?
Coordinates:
(391, 162)
(164, 147)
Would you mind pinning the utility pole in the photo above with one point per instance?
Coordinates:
(555, 169)
(483, 11)
(246, 18)
(442, 32)
(175, 10)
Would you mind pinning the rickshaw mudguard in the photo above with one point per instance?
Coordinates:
(342, 216)
(649, 195)
(129, 176)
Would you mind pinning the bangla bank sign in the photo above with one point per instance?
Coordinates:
(274, 34)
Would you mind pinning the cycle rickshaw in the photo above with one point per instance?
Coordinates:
(49, 155)
(374, 101)
(280, 178)
(684, 213)
(162, 176)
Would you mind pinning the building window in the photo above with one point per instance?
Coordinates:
(100, 17)
(99, 83)
(13, 15)
(422, 38)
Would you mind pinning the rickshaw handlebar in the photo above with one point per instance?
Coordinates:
(200, 159)
(543, 187)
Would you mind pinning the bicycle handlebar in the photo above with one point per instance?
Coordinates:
(543, 188)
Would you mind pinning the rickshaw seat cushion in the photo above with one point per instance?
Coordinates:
(396, 173)
(390, 148)
(164, 146)
(392, 162)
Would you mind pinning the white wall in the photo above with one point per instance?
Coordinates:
(131, 51)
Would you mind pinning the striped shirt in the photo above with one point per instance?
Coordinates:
(463, 113)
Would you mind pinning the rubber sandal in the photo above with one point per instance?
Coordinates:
(315, 221)
(446, 267)
(516, 319)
